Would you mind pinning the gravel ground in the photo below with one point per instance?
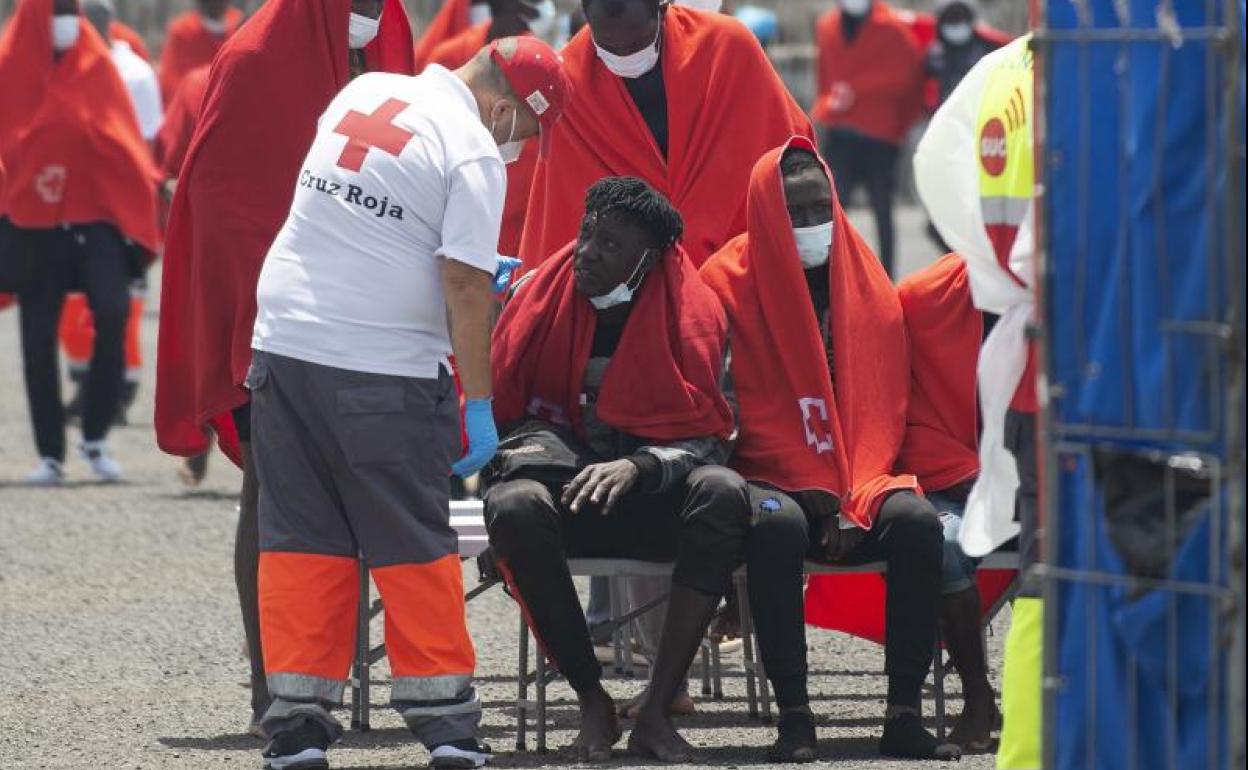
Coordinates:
(120, 641)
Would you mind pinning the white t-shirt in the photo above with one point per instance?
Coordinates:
(401, 175)
(140, 80)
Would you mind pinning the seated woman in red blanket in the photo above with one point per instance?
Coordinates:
(608, 364)
(821, 372)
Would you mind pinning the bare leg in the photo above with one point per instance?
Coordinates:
(688, 613)
(960, 617)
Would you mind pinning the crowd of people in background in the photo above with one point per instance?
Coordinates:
(782, 400)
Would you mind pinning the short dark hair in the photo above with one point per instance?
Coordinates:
(614, 8)
(638, 204)
(795, 160)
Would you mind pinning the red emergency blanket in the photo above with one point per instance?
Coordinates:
(726, 106)
(189, 44)
(663, 382)
(233, 194)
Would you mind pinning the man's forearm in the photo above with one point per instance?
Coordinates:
(470, 306)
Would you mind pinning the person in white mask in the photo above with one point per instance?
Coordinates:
(385, 267)
(192, 39)
(869, 92)
(961, 41)
(820, 375)
(608, 364)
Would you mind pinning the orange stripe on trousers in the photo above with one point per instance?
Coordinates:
(308, 605)
(426, 628)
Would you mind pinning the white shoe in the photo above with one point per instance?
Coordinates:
(49, 473)
(102, 464)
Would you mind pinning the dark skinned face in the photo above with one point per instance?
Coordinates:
(628, 33)
(369, 8)
(512, 9)
(64, 7)
(808, 197)
(608, 250)
(213, 9)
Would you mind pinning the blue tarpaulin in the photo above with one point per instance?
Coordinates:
(1137, 229)
(1136, 163)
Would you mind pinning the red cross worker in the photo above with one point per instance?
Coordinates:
(383, 269)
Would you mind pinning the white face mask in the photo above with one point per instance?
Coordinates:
(509, 150)
(620, 294)
(65, 29)
(635, 64)
(215, 26)
(957, 34)
(710, 6)
(361, 30)
(477, 13)
(814, 243)
(543, 24)
(856, 7)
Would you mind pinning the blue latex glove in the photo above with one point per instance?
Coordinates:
(482, 437)
(502, 275)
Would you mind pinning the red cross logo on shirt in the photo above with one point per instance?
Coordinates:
(364, 132)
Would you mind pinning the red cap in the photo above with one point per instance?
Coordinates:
(535, 73)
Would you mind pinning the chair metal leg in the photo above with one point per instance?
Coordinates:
(717, 665)
(938, 676)
(747, 642)
(705, 650)
(522, 687)
(540, 670)
(617, 635)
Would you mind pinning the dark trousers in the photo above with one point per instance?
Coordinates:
(92, 258)
(856, 159)
(700, 522)
(907, 535)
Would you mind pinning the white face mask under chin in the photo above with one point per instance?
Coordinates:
(814, 244)
(620, 294)
(636, 64)
(215, 26)
(509, 150)
(361, 30)
(65, 28)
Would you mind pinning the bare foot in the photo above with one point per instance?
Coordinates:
(600, 729)
(682, 706)
(973, 731)
(655, 736)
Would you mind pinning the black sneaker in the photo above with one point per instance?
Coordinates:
(796, 741)
(459, 755)
(300, 748)
(906, 738)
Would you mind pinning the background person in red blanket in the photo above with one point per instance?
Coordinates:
(81, 199)
(941, 448)
(77, 333)
(193, 38)
(869, 81)
(671, 95)
(607, 366)
(822, 402)
(232, 196)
